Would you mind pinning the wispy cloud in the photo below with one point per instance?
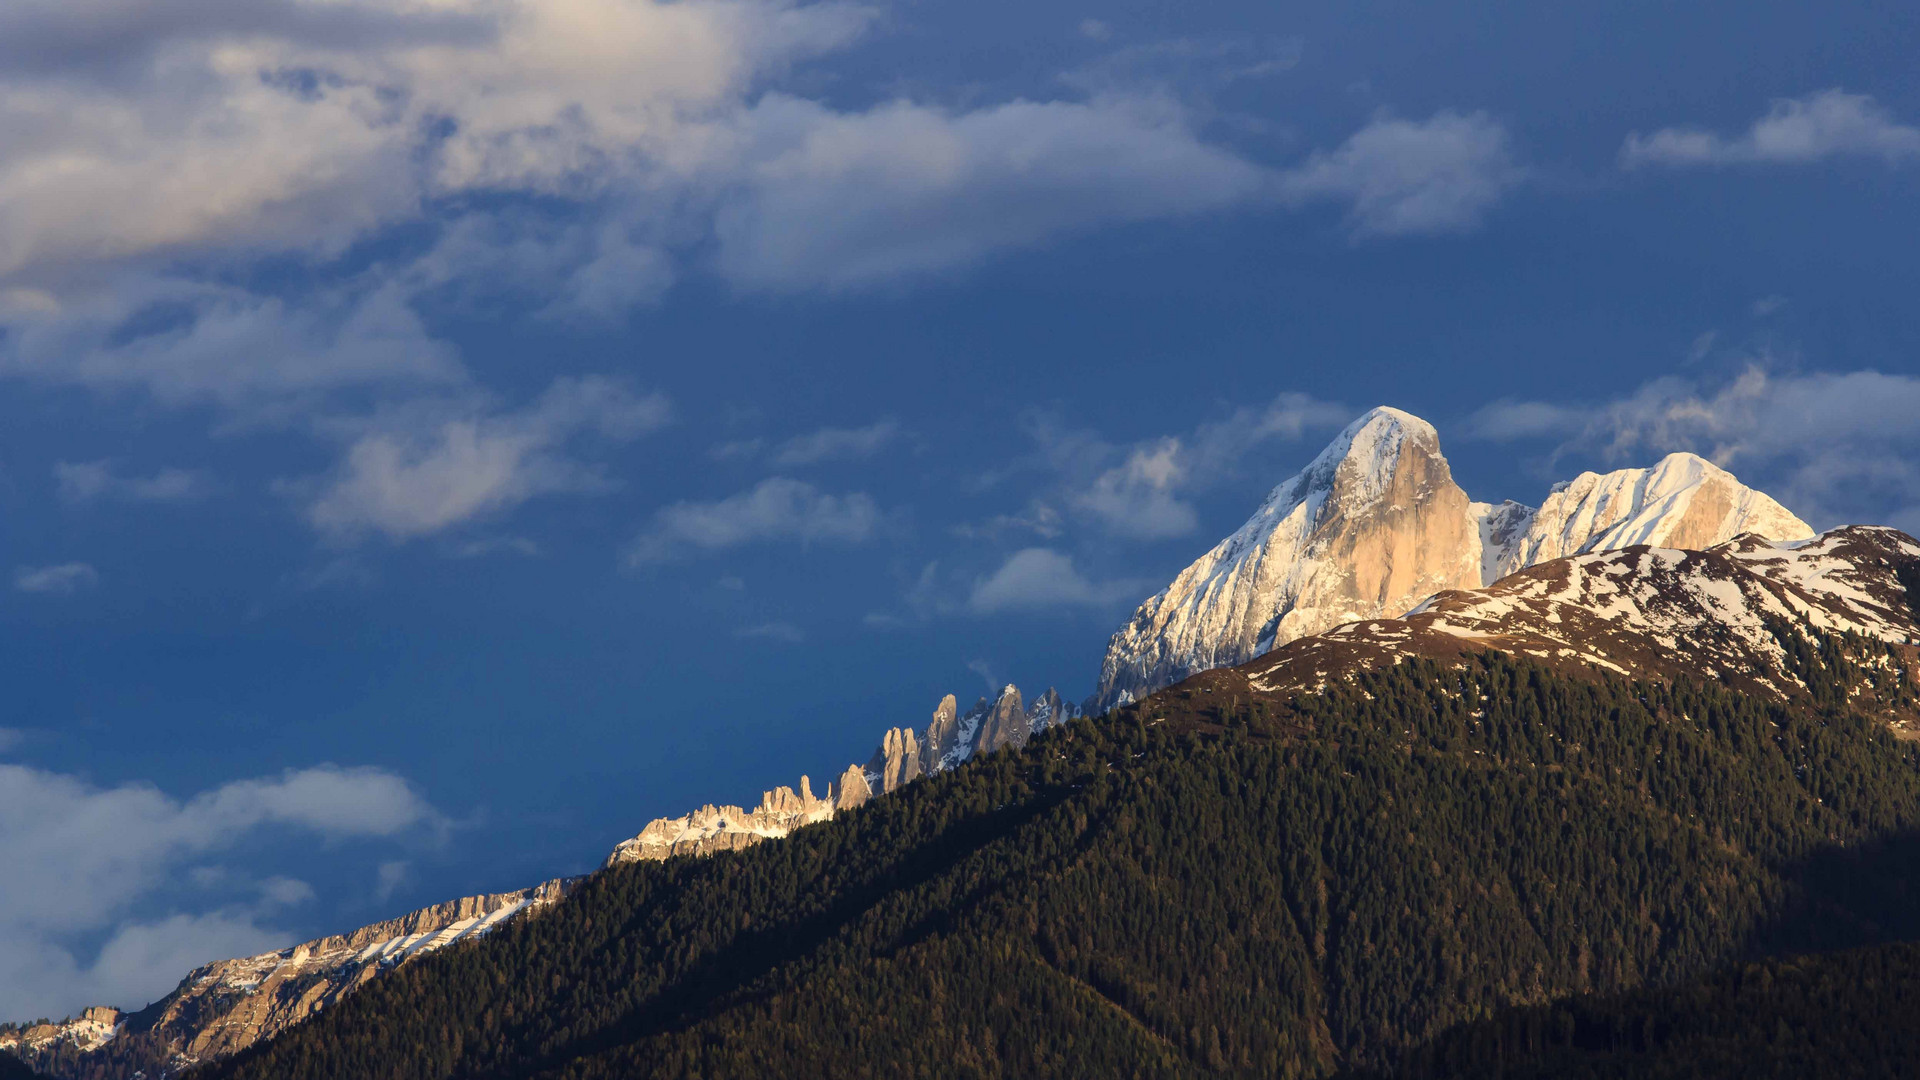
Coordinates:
(1826, 124)
(60, 580)
(778, 508)
(1407, 177)
(408, 479)
(1136, 498)
(783, 632)
(843, 201)
(1041, 578)
(831, 444)
(92, 481)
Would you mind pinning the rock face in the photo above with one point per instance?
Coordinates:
(853, 789)
(1047, 710)
(1375, 524)
(897, 761)
(943, 734)
(1004, 723)
(224, 1007)
(1372, 526)
(727, 828)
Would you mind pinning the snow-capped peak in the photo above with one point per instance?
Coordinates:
(1369, 451)
(1370, 527)
(1685, 501)
(1375, 524)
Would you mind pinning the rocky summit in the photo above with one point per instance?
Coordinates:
(1375, 524)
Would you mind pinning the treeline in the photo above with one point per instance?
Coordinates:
(1189, 887)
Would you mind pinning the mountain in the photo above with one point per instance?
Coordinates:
(1375, 524)
(1371, 526)
(225, 1007)
(1683, 502)
(1311, 590)
(1261, 884)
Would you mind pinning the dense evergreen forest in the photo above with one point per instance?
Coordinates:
(1201, 886)
(1840, 1014)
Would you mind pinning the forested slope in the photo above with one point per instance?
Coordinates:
(1195, 886)
(1840, 1014)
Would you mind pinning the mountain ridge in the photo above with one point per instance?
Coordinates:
(1373, 522)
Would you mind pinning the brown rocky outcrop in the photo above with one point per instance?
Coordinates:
(897, 761)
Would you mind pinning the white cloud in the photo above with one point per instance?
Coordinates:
(187, 342)
(576, 155)
(389, 877)
(302, 131)
(1829, 123)
(778, 508)
(1406, 177)
(1038, 578)
(826, 200)
(829, 444)
(1136, 498)
(415, 481)
(1506, 420)
(177, 134)
(90, 481)
(1039, 518)
(61, 580)
(786, 633)
(80, 857)
(497, 545)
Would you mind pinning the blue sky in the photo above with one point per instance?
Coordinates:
(437, 438)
